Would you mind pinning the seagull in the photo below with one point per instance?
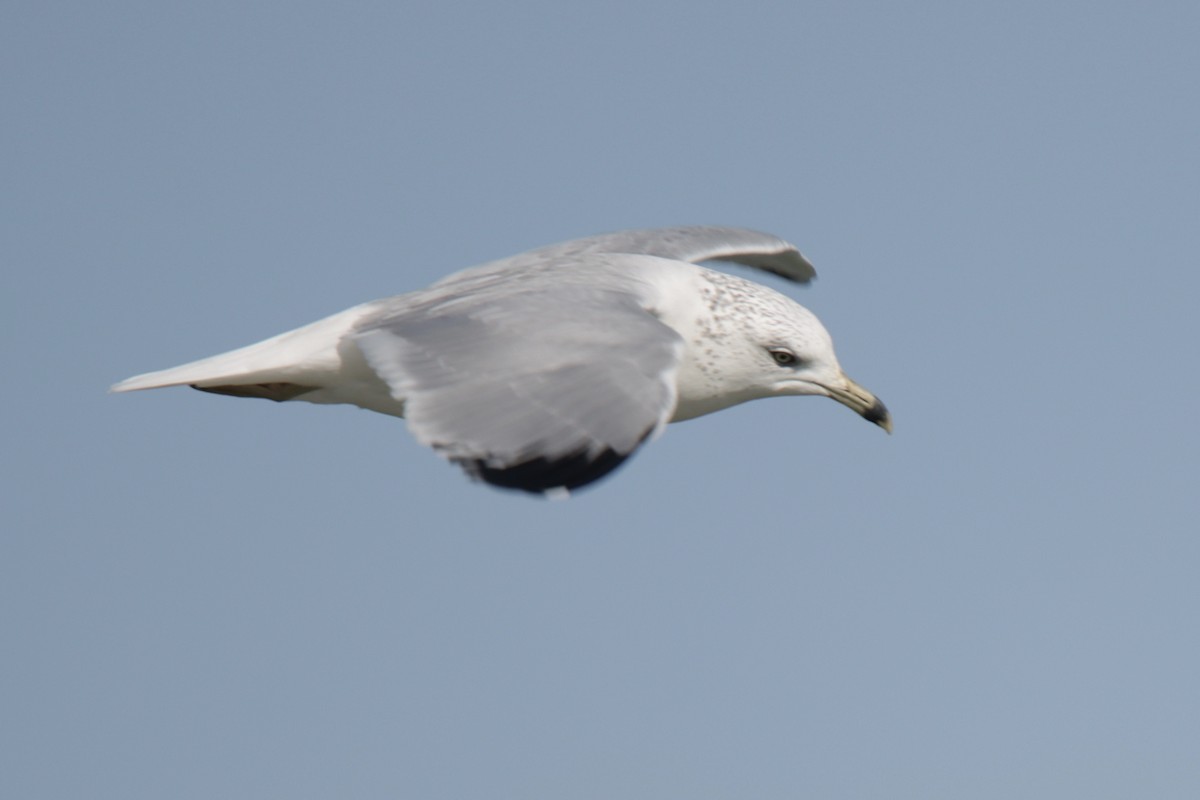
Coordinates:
(543, 372)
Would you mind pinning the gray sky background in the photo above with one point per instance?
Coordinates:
(204, 597)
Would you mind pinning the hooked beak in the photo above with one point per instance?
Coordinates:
(862, 402)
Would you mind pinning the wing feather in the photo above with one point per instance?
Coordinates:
(693, 244)
(534, 390)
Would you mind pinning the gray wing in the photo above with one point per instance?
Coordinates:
(693, 244)
(533, 390)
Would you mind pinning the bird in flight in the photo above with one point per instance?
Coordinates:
(544, 371)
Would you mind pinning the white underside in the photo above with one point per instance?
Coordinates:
(322, 355)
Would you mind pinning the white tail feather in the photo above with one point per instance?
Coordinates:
(303, 355)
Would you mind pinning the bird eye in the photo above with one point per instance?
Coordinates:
(784, 358)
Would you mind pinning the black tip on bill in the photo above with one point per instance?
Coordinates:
(878, 414)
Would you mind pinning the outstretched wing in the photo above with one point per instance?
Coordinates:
(693, 244)
(533, 390)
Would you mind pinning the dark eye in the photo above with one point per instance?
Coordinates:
(784, 358)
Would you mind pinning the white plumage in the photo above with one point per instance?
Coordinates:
(546, 370)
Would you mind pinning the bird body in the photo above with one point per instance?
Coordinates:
(544, 371)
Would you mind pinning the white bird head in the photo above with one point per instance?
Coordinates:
(778, 349)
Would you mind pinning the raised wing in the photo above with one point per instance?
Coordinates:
(532, 390)
(693, 244)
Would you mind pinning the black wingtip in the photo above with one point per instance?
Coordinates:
(542, 475)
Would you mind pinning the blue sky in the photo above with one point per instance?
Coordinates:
(208, 597)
